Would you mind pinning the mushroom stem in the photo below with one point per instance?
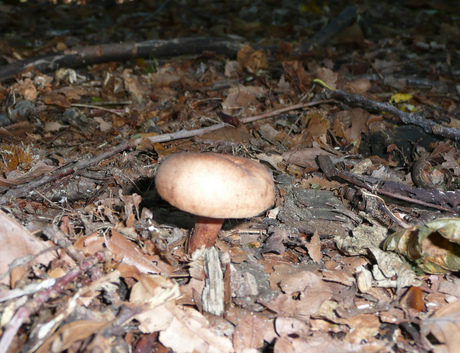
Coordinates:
(205, 233)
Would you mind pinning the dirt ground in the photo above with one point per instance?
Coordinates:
(352, 108)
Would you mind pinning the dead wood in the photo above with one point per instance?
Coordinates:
(445, 201)
(346, 18)
(86, 163)
(24, 312)
(119, 52)
(407, 118)
(161, 48)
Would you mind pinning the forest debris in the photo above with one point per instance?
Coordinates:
(303, 294)
(407, 118)
(367, 239)
(434, 246)
(25, 311)
(446, 201)
(305, 157)
(124, 251)
(445, 326)
(19, 248)
(184, 329)
(314, 248)
(251, 330)
(314, 210)
(213, 292)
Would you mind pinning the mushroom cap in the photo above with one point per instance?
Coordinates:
(215, 185)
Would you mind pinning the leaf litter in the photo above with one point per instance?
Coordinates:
(359, 252)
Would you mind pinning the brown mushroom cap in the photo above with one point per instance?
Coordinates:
(215, 185)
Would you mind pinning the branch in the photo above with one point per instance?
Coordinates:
(86, 163)
(34, 305)
(162, 48)
(119, 52)
(429, 126)
(445, 201)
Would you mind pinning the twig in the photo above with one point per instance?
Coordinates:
(96, 107)
(429, 198)
(162, 48)
(324, 36)
(58, 174)
(119, 52)
(407, 118)
(32, 306)
(386, 210)
(283, 110)
(133, 143)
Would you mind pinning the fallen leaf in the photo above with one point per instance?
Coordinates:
(327, 76)
(445, 326)
(314, 248)
(124, 250)
(305, 157)
(16, 243)
(434, 246)
(184, 330)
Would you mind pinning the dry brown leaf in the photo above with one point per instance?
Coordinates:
(184, 330)
(342, 276)
(242, 96)
(72, 93)
(253, 60)
(281, 269)
(318, 126)
(315, 180)
(305, 293)
(323, 343)
(286, 326)
(351, 124)
(298, 75)
(314, 248)
(38, 169)
(16, 242)
(133, 86)
(250, 331)
(125, 251)
(327, 76)
(305, 157)
(303, 281)
(229, 134)
(103, 125)
(54, 98)
(445, 326)
(358, 86)
(52, 126)
(26, 89)
(69, 334)
(362, 328)
(150, 286)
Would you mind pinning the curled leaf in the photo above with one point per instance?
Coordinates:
(434, 246)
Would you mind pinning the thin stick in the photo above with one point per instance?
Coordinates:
(79, 105)
(287, 109)
(86, 163)
(32, 306)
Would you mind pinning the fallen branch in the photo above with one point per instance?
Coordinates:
(324, 36)
(77, 57)
(407, 118)
(119, 52)
(46, 178)
(25, 311)
(445, 201)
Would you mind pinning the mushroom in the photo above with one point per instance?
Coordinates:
(214, 187)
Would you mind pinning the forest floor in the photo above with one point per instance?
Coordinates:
(354, 109)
